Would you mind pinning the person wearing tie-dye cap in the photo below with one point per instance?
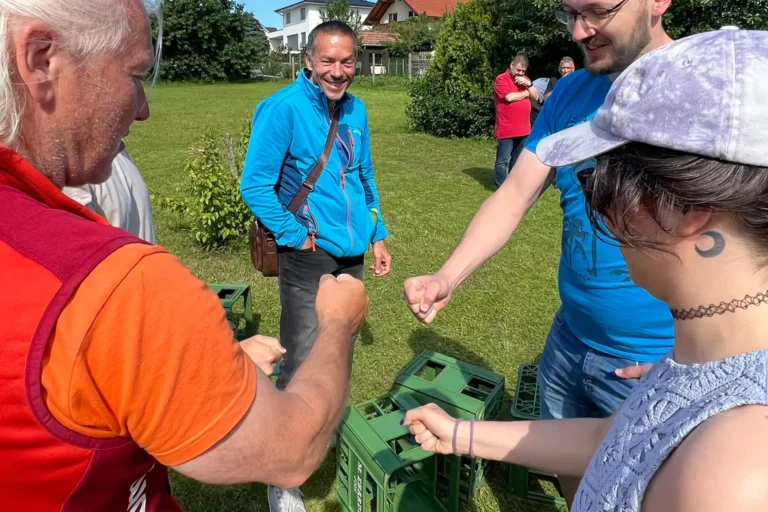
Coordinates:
(681, 183)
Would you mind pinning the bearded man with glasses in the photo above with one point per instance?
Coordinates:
(607, 328)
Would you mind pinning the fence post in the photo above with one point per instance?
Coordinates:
(410, 66)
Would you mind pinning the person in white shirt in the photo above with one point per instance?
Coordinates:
(123, 199)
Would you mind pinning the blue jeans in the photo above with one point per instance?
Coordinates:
(576, 381)
(507, 151)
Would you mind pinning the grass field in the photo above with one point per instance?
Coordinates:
(430, 189)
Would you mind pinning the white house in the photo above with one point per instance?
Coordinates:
(301, 17)
(393, 11)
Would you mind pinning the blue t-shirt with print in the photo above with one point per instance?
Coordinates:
(602, 306)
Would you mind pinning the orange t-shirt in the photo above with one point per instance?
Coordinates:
(147, 354)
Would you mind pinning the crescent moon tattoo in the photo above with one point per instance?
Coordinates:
(717, 248)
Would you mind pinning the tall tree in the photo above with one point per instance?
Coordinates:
(256, 31)
(340, 10)
(417, 34)
(207, 40)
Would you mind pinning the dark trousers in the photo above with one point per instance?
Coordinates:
(507, 151)
(300, 273)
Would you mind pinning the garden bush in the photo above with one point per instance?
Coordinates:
(213, 207)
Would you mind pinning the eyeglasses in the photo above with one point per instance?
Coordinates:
(591, 17)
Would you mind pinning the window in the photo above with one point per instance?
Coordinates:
(293, 42)
(287, 18)
(392, 17)
(303, 38)
(303, 13)
(411, 14)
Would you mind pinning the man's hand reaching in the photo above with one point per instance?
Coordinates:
(264, 351)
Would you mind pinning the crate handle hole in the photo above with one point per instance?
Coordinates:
(430, 370)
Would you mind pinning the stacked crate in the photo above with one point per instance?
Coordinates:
(526, 483)
(380, 468)
(464, 391)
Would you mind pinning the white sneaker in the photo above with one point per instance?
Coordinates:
(285, 500)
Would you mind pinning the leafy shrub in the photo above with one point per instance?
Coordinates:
(455, 96)
(216, 213)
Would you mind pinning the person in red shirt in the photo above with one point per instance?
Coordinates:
(511, 94)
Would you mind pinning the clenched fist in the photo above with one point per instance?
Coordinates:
(426, 296)
(264, 351)
(342, 299)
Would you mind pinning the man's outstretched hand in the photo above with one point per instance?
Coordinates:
(264, 351)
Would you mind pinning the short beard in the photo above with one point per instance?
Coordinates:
(626, 55)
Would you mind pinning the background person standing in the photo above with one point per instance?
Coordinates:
(513, 115)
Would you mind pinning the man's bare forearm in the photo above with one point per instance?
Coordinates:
(516, 96)
(322, 383)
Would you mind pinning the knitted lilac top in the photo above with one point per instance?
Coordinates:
(666, 405)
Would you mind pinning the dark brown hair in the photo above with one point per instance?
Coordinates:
(661, 180)
(332, 27)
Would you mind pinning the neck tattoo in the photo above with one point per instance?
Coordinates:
(720, 309)
(718, 245)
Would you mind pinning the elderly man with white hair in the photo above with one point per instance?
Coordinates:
(116, 362)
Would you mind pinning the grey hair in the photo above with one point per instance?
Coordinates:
(567, 60)
(88, 28)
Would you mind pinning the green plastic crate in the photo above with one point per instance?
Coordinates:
(380, 468)
(526, 483)
(464, 391)
(525, 405)
(229, 294)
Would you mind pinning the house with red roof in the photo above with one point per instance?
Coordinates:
(392, 11)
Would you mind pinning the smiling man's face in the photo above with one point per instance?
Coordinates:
(610, 45)
(332, 64)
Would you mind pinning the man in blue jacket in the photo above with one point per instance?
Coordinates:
(330, 232)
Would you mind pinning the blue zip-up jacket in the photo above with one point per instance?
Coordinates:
(287, 137)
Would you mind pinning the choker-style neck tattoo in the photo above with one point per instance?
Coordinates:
(720, 309)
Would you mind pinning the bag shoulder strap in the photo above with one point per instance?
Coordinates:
(309, 184)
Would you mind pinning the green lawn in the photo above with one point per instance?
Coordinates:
(430, 189)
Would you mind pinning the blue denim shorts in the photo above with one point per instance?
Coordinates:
(576, 381)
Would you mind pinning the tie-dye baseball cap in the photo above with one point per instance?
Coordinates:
(705, 94)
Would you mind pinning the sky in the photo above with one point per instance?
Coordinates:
(265, 10)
